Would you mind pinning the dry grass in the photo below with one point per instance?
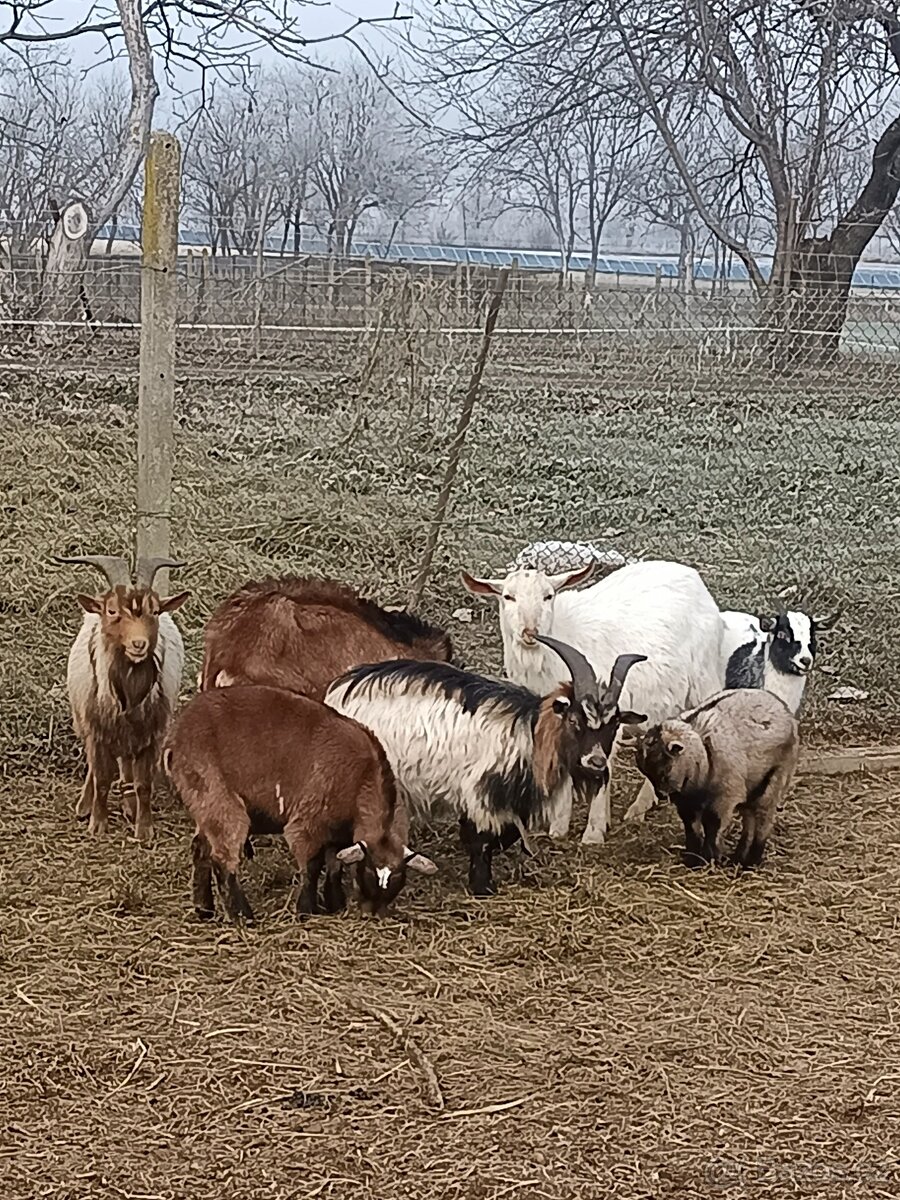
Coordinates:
(610, 1024)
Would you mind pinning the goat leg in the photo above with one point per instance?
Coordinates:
(86, 800)
(480, 848)
(142, 770)
(103, 771)
(201, 881)
(126, 780)
(234, 901)
(334, 896)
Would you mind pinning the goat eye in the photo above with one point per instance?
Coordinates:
(549, 596)
(505, 597)
(782, 636)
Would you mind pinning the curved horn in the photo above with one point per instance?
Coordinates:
(146, 569)
(115, 568)
(584, 681)
(621, 667)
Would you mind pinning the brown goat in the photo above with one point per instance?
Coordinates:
(262, 760)
(301, 634)
(123, 678)
(736, 752)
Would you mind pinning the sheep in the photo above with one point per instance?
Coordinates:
(123, 678)
(264, 760)
(772, 652)
(492, 753)
(554, 557)
(301, 634)
(662, 609)
(736, 752)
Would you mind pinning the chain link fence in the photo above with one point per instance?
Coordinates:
(315, 406)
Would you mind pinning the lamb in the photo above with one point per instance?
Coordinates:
(554, 557)
(301, 634)
(736, 751)
(263, 760)
(660, 609)
(123, 677)
(491, 753)
(772, 652)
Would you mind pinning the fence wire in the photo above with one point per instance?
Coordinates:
(315, 407)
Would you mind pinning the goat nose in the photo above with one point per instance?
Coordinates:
(805, 660)
(139, 645)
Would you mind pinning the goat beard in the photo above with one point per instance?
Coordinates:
(133, 682)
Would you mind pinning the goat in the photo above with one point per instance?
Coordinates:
(660, 609)
(494, 754)
(554, 557)
(772, 652)
(300, 634)
(123, 678)
(262, 760)
(736, 752)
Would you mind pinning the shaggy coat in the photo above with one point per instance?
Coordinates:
(301, 634)
(737, 752)
(261, 760)
(491, 753)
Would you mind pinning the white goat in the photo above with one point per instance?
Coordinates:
(662, 610)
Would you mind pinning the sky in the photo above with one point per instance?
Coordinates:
(321, 18)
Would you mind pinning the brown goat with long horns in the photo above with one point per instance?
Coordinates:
(123, 678)
(301, 634)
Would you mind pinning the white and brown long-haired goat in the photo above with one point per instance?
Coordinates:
(123, 678)
(498, 757)
(736, 752)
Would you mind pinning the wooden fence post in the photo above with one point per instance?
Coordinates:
(156, 391)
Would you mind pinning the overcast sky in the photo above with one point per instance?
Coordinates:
(323, 18)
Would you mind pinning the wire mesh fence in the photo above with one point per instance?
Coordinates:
(315, 405)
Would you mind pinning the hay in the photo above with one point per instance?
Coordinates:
(609, 1025)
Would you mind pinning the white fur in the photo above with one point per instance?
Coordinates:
(86, 681)
(440, 753)
(739, 629)
(660, 609)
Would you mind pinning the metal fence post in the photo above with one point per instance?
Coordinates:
(156, 390)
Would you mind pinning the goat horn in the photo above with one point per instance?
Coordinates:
(621, 667)
(146, 569)
(115, 568)
(584, 681)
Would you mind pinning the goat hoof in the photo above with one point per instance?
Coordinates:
(98, 828)
(144, 834)
(593, 837)
(204, 914)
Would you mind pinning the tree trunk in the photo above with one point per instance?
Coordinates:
(820, 279)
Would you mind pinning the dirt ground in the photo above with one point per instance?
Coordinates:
(609, 1025)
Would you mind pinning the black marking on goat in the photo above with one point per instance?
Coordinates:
(746, 666)
(782, 650)
(515, 790)
(756, 792)
(712, 702)
(470, 691)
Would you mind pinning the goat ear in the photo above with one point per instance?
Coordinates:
(352, 854)
(632, 718)
(418, 862)
(170, 604)
(767, 623)
(481, 587)
(569, 579)
(561, 705)
(90, 604)
(675, 748)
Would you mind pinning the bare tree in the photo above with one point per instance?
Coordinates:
(795, 84)
(215, 37)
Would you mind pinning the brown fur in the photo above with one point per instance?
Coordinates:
(736, 752)
(301, 634)
(129, 724)
(260, 759)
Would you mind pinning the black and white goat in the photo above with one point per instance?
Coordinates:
(776, 653)
(494, 754)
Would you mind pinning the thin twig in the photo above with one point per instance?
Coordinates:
(415, 1052)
